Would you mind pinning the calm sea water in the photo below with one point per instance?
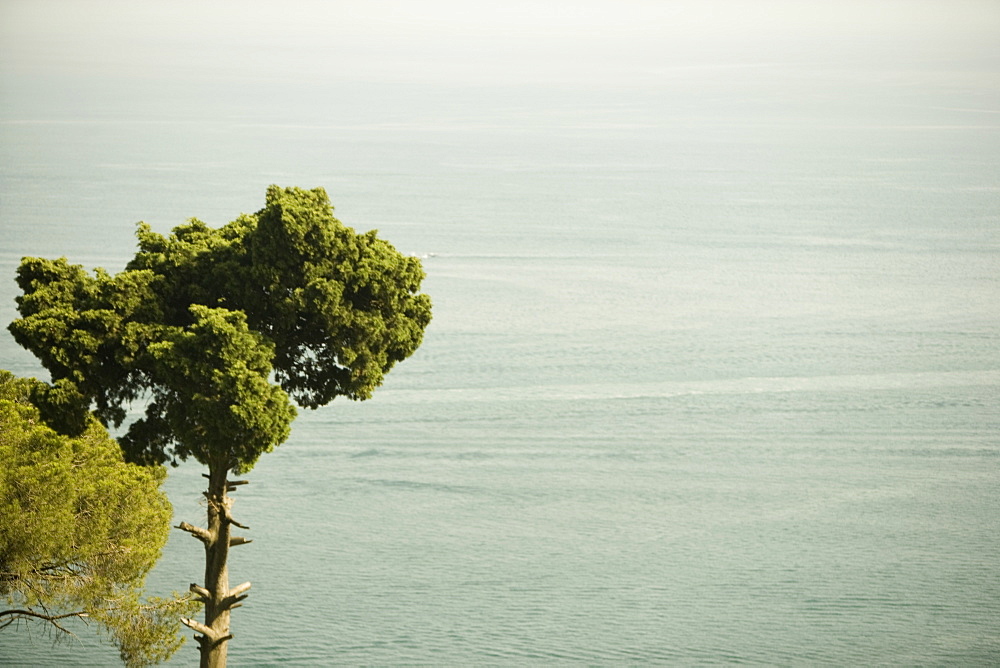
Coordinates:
(704, 384)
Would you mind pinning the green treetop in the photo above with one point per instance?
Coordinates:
(202, 318)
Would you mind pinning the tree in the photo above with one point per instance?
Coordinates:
(218, 332)
(79, 530)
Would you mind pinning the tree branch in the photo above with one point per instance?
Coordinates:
(207, 633)
(203, 594)
(198, 627)
(235, 596)
(239, 540)
(51, 619)
(235, 523)
(197, 532)
(231, 485)
(239, 589)
(231, 602)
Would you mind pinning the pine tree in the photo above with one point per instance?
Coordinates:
(219, 333)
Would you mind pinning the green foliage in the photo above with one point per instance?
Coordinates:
(219, 399)
(146, 633)
(80, 529)
(201, 323)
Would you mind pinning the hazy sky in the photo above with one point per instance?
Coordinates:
(484, 42)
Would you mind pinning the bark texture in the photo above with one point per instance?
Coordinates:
(214, 634)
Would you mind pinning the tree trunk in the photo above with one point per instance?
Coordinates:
(214, 635)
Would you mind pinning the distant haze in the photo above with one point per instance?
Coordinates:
(444, 41)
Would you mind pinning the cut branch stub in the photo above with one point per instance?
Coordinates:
(197, 532)
(198, 627)
(235, 596)
(203, 594)
(239, 540)
(208, 634)
(239, 589)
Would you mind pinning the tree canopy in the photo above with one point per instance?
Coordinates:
(209, 317)
(79, 530)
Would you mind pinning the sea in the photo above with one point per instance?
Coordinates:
(713, 375)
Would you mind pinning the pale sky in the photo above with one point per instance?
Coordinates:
(451, 41)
